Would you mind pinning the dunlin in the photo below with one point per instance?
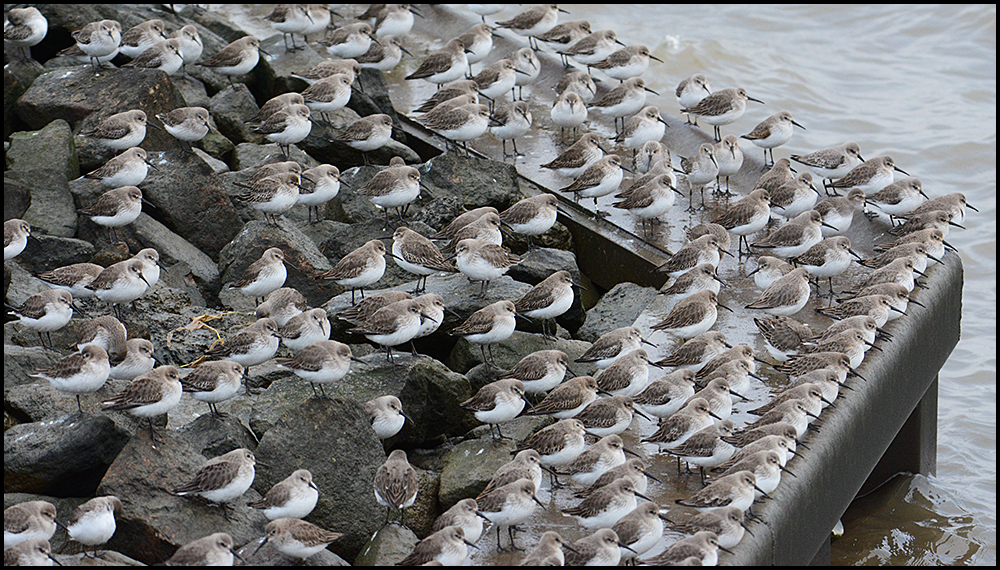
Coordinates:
(320, 362)
(795, 236)
(772, 132)
(576, 159)
(525, 465)
(492, 324)
(115, 208)
(800, 391)
(735, 490)
(222, 479)
(497, 402)
(328, 94)
(626, 99)
(450, 91)
(793, 412)
(607, 453)
(699, 170)
(237, 58)
(25, 28)
(290, 19)
(548, 551)
(593, 48)
(297, 538)
(272, 106)
(447, 546)
(497, 79)
(465, 515)
(281, 305)
(565, 35)
(15, 237)
(740, 352)
(26, 521)
(706, 448)
(932, 238)
(699, 278)
(79, 373)
(698, 351)
(729, 158)
(98, 40)
(386, 414)
(568, 111)
(701, 549)
(850, 342)
(294, 497)
(559, 444)
(691, 91)
(899, 198)
(483, 261)
(35, 552)
(214, 382)
(187, 124)
(349, 41)
(721, 107)
(568, 399)
(833, 162)
(478, 42)
(318, 186)
(164, 56)
(152, 394)
(747, 216)
(645, 126)
(918, 251)
(870, 176)
(794, 196)
(766, 467)
(418, 255)
(394, 187)
(640, 530)
(705, 250)
(839, 211)
(383, 56)
(305, 329)
(444, 65)
(579, 82)
(607, 505)
(142, 37)
(599, 179)
(867, 325)
(367, 134)
(727, 524)
(899, 271)
(786, 296)
(692, 315)
(783, 336)
(191, 43)
(531, 216)
(396, 485)
(263, 276)
(551, 298)
(138, 360)
(666, 395)
(603, 548)
(461, 124)
(286, 127)
(938, 219)
(608, 416)
(93, 522)
(393, 324)
(534, 21)
(509, 505)
(213, 550)
(613, 344)
(953, 203)
(251, 345)
(328, 67)
(45, 312)
(119, 131)
(360, 268)
(682, 424)
(630, 61)
(627, 376)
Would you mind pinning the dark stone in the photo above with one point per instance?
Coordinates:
(467, 358)
(619, 307)
(230, 109)
(388, 546)
(212, 436)
(50, 148)
(17, 77)
(50, 252)
(66, 457)
(52, 209)
(475, 181)
(16, 197)
(333, 439)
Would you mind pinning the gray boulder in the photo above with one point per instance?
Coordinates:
(388, 546)
(475, 181)
(467, 355)
(65, 457)
(50, 148)
(52, 210)
(231, 108)
(619, 307)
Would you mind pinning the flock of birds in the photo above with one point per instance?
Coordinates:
(691, 404)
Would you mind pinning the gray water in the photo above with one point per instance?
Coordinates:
(915, 82)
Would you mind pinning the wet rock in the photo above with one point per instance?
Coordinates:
(50, 252)
(154, 523)
(322, 144)
(50, 148)
(230, 109)
(17, 77)
(65, 457)
(174, 250)
(388, 546)
(192, 90)
(420, 517)
(35, 400)
(467, 355)
(475, 181)
(252, 156)
(190, 200)
(333, 439)
(558, 237)
(303, 260)
(430, 393)
(470, 466)
(16, 197)
(213, 436)
(52, 209)
(619, 307)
